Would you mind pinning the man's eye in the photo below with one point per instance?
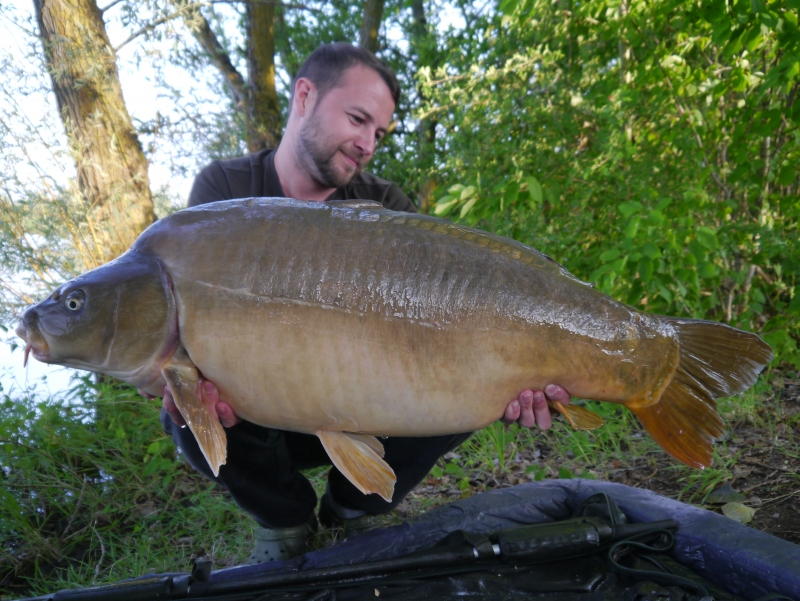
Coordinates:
(356, 120)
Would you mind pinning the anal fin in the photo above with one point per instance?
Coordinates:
(182, 378)
(578, 417)
(360, 458)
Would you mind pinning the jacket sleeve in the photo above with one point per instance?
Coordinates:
(395, 200)
(210, 185)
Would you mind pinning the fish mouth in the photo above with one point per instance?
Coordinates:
(35, 344)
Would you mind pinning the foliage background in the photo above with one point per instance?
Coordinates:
(652, 147)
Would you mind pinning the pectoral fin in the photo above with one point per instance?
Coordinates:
(578, 417)
(360, 458)
(182, 378)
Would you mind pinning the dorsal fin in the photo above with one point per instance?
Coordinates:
(493, 242)
(354, 203)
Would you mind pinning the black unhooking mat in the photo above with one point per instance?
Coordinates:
(565, 540)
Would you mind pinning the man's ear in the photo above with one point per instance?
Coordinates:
(305, 96)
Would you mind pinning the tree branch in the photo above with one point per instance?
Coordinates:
(114, 3)
(219, 57)
(195, 5)
(275, 2)
(151, 26)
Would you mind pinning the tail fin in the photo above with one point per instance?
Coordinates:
(715, 360)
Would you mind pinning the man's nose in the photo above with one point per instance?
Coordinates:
(366, 145)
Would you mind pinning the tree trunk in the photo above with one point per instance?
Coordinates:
(424, 46)
(263, 110)
(370, 24)
(112, 168)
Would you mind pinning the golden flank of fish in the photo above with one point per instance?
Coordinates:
(349, 321)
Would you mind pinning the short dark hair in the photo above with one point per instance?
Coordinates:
(326, 65)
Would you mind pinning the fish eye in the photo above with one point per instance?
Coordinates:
(74, 300)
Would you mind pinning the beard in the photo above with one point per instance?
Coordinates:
(317, 158)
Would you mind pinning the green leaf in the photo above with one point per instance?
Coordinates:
(769, 19)
(436, 471)
(707, 237)
(510, 194)
(645, 269)
(632, 227)
(539, 473)
(454, 468)
(707, 270)
(535, 188)
(787, 175)
(655, 217)
(564, 473)
(468, 207)
(629, 208)
(738, 512)
(553, 194)
(467, 192)
(697, 250)
(651, 251)
(507, 7)
(444, 205)
(456, 189)
(610, 255)
(754, 42)
(152, 467)
(794, 305)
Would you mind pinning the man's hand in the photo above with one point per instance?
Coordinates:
(531, 409)
(209, 394)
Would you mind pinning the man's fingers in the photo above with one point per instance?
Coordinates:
(209, 393)
(541, 411)
(512, 413)
(526, 415)
(226, 415)
(168, 403)
(557, 394)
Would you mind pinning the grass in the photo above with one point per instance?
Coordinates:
(93, 491)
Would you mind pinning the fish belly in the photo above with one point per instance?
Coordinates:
(306, 368)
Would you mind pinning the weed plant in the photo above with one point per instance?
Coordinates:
(94, 492)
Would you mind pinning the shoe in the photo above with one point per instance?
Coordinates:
(351, 521)
(279, 544)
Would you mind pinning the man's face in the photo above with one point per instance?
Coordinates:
(338, 138)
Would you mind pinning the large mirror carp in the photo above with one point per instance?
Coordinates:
(350, 321)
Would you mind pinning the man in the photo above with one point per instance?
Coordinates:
(341, 107)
